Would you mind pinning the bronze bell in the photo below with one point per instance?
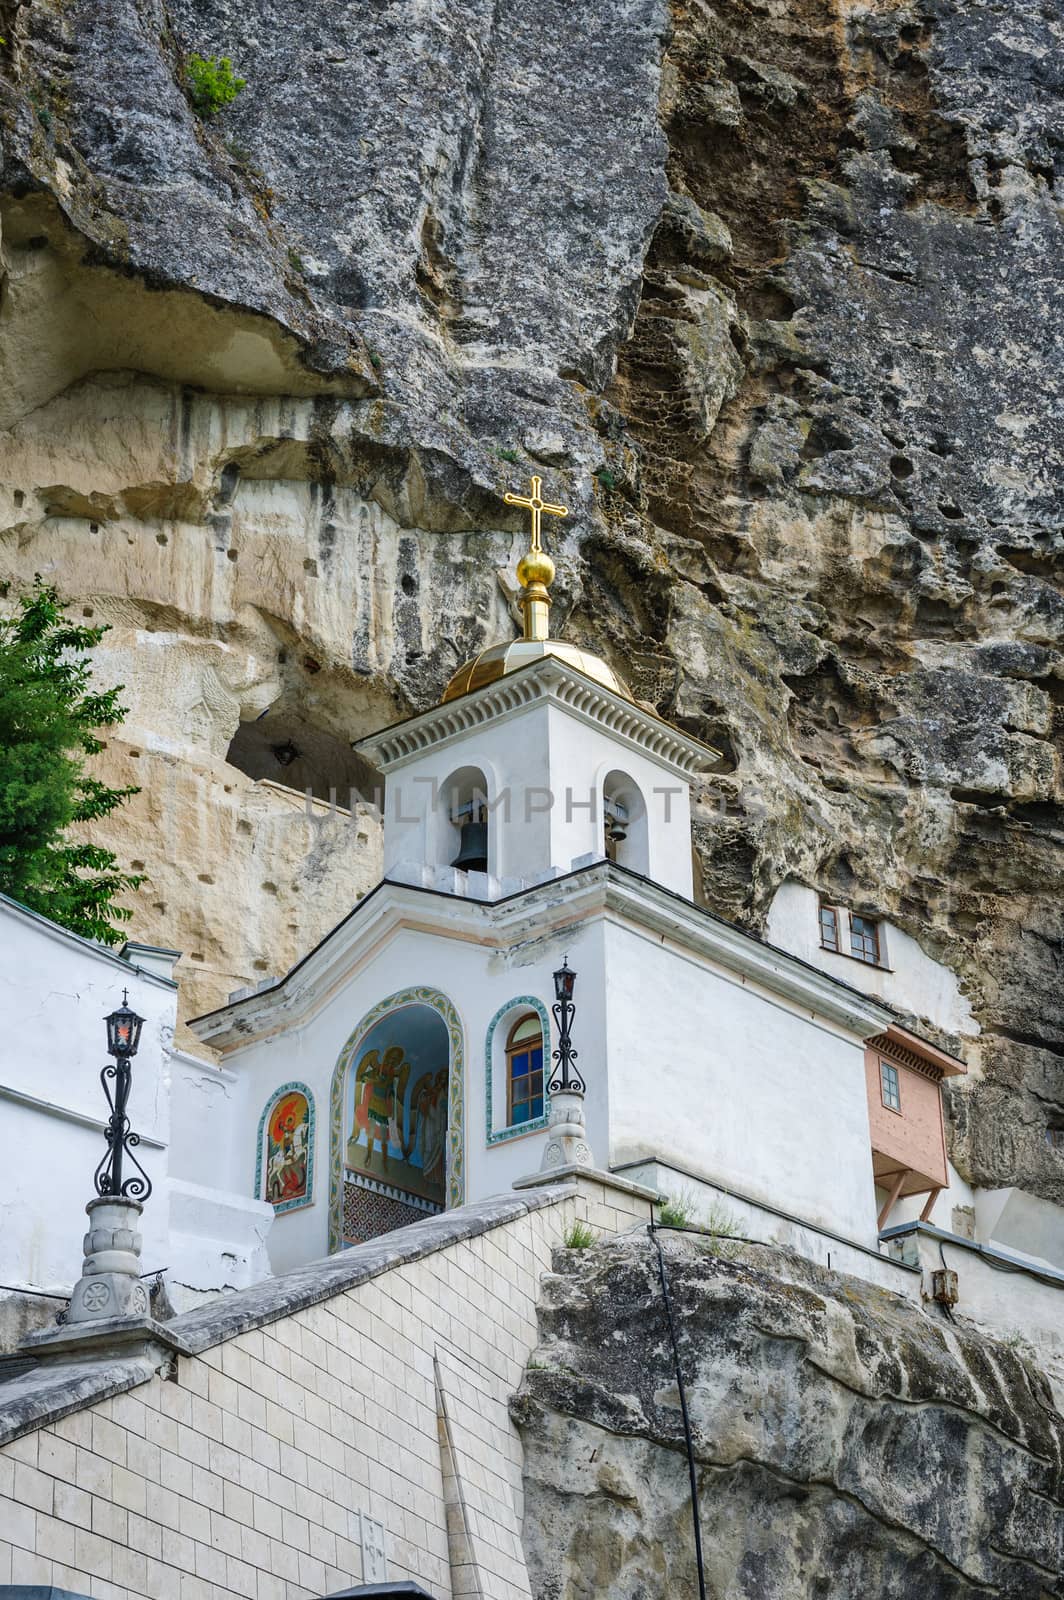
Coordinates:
(473, 852)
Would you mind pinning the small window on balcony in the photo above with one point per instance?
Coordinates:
(829, 928)
(864, 939)
(890, 1086)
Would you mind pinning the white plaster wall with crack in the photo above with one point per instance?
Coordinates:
(55, 991)
(217, 1235)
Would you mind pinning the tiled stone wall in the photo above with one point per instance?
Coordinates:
(246, 1473)
(368, 1214)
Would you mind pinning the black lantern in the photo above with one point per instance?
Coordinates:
(566, 1080)
(564, 981)
(123, 1030)
(123, 1039)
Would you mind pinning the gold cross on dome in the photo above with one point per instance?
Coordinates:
(537, 505)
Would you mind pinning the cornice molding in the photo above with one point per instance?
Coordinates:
(549, 680)
(537, 913)
(906, 1050)
(682, 922)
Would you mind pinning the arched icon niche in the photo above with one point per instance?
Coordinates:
(397, 1136)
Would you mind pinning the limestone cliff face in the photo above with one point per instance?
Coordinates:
(846, 1442)
(771, 296)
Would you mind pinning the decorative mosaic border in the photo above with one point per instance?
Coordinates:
(389, 1192)
(308, 1198)
(500, 1135)
(455, 1101)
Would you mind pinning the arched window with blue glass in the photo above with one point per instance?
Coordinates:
(524, 1071)
(517, 1050)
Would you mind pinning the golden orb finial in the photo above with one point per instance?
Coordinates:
(535, 573)
(535, 566)
(535, 570)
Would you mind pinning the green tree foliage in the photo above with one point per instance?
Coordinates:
(212, 84)
(49, 715)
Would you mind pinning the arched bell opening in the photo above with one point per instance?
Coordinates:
(626, 838)
(463, 822)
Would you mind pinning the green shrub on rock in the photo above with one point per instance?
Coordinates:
(212, 84)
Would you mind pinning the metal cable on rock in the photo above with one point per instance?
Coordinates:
(691, 1466)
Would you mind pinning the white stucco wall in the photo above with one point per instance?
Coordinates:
(477, 986)
(581, 758)
(715, 1207)
(911, 980)
(682, 1060)
(55, 990)
(721, 1079)
(217, 1234)
(544, 769)
(1004, 1303)
(201, 1118)
(1021, 1223)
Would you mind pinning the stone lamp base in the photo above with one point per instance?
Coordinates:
(567, 1144)
(109, 1309)
(110, 1284)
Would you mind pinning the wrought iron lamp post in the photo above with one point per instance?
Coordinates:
(566, 1079)
(123, 1039)
(567, 1144)
(109, 1287)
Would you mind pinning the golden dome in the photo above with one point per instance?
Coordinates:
(500, 659)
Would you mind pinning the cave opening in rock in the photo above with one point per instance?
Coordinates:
(282, 746)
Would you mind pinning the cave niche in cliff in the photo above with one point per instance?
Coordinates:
(283, 747)
(66, 314)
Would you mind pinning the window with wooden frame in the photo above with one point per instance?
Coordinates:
(890, 1085)
(524, 1070)
(829, 927)
(862, 942)
(864, 939)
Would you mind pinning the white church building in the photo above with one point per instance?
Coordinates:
(537, 832)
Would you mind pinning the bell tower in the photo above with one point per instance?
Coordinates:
(537, 761)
